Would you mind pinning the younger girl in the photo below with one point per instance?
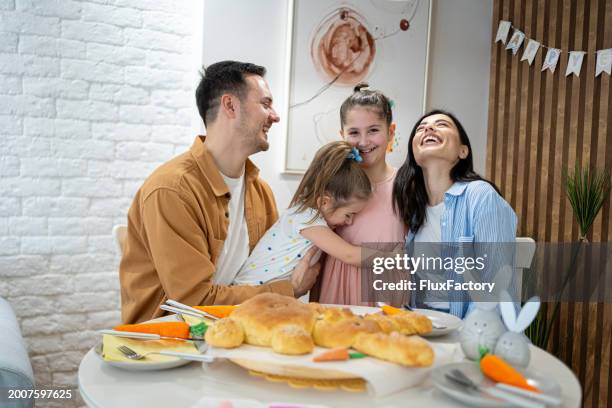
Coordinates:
(333, 190)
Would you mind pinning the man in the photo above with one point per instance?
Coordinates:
(196, 218)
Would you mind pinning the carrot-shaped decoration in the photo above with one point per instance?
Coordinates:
(390, 310)
(337, 354)
(220, 311)
(167, 329)
(498, 370)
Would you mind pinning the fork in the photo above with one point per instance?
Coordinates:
(458, 377)
(134, 355)
(178, 307)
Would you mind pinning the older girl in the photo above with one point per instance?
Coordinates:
(367, 124)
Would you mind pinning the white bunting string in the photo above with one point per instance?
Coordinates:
(551, 60)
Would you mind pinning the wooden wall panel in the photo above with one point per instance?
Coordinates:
(540, 124)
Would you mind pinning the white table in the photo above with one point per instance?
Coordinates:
(104, 386)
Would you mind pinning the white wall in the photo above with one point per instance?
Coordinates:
(459, 67)
(458, 79)
(257, 34)
(93, 96)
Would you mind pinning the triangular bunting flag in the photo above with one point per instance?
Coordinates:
(515, 41)
(604, 61)
(574, 63)
(530, 51)
(552, 57)
(502, 31)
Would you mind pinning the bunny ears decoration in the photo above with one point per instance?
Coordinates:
(513, 346)
(525, 316)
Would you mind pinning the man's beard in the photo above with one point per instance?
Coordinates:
(252, 139)
(263, 145)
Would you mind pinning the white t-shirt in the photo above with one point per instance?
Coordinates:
(431, 232)
(236, 247)
(280, 249)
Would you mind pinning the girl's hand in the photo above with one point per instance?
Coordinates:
(304, 275)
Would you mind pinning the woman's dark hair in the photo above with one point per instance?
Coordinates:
(409, 193)
(334, 172)
(366, 97)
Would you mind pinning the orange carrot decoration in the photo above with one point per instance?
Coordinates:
(498, 370)
(168, 329)
(220, 311)
(337, 354)
(390, 310)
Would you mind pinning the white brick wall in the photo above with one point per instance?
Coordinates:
(93, 96)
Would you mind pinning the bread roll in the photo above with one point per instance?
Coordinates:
(225, 333)
(386, 323)
(335, 314)
(410, 351)
(291, 340)
(341, 333)
(261, 314)
(412, 323)
(317, 308)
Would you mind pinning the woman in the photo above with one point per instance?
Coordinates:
(441, 199)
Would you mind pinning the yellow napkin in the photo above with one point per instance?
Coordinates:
(192, 321)
(110, 344)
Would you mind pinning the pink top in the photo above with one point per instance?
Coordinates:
(341, 283)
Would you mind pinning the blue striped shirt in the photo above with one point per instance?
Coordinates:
(475, 212)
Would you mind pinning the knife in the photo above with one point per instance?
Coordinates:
(143, 336)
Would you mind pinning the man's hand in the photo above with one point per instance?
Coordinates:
(304, 275)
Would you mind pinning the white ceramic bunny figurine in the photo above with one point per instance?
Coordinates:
(513, 346)
(481, 329)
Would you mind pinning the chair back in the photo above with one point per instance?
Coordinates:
(525, 249)
(119, 234)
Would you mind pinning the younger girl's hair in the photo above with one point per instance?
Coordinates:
(333, 172)
(366, 97)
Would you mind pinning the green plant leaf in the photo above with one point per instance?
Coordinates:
(587, 192)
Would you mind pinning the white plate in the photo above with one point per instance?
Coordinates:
(358, 310)
(479, 399)
(447, 320)
(141, 366)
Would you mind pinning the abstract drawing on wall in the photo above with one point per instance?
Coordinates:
(334, 45)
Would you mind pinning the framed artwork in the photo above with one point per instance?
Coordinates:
(334, 45)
